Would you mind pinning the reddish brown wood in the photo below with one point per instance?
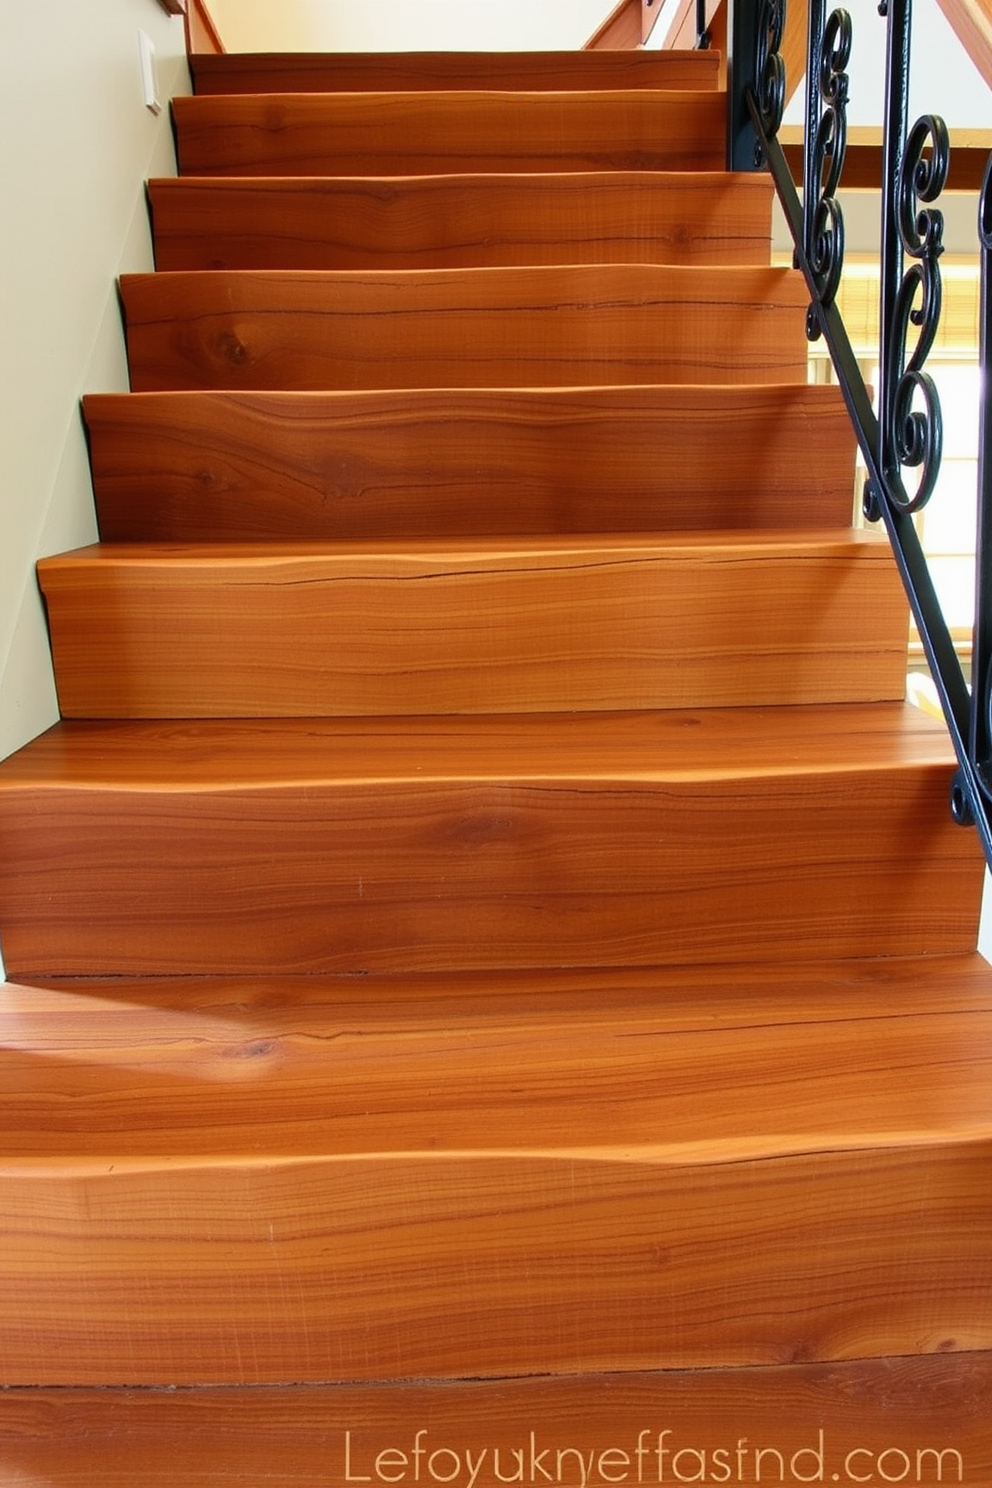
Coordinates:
(408, 72)
(276, 1269)
(202, 36)
(972, 23)
(356, 1066)
(621, 30)
(395, 134)
(196, 467)
(863, 161)
(780, 1154)
(580, 326)
(307, 1150)
(502, 842)
(298, 1438)
(461, 222)
(483, 626)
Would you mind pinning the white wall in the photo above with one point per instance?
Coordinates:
(78, 144)
(407, 25)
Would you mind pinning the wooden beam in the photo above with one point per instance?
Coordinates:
(683, 34)
(621, 30)
(971, 21)
(201, 29)
(793, 48)
(174, 7)
(863, 162)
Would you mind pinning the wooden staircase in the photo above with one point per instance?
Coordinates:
(487, 941)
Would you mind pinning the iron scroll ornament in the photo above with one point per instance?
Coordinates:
(911, 436)
(911, 175)
(769, 69)
(823, 228)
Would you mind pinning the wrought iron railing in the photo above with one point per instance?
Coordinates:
(901, 443)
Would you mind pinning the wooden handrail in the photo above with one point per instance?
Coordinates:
(627, 27)
(202, 34)
(971, 21)
(793, 49)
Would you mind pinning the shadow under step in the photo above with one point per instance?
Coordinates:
(407, 72)
(213, 466)
(584, 325)
(488, 626)
(291, 1179)
(424, 134)
(461, 221)
(718, 836)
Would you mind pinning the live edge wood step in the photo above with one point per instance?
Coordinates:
(667, 1169)
(416, 134)
(407, 72)
(476, 1047)
(718, 836)
(215, 466)
(553, 326)
(498, 626)
(461, 221)
(856, 1414)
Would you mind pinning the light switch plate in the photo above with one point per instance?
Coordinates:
(149, 80)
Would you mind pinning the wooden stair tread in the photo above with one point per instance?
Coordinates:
(353, 72)
(713, 744)
(660, 1067)
(374, 1199)
(391, 1105)
(214, 466)
(415, 134)
(299, 1438)
(439, 843)
(460, 221)
(525, 327)
(512, 625)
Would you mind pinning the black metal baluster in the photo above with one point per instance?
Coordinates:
(981, 653)
(904, 435)
(911, 437)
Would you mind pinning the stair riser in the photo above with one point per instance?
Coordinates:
(417, 134)
(588, 627)
(357, 72)
(255, 1272)
(461, 222)
(191, 468)
(883, 1413)
(487, 874)
(449, 328)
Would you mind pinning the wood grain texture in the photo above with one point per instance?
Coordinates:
(544, 327)
(722, 836)
(863, 161)
(749, 1061)
(397, 134)
(620, 30)
(461, 221)
(298, 1438)
(202, 467)
(202, 35)
(972, 23)
(299, 1143)
(408, 72)
(446, 1264)
(490, 626)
